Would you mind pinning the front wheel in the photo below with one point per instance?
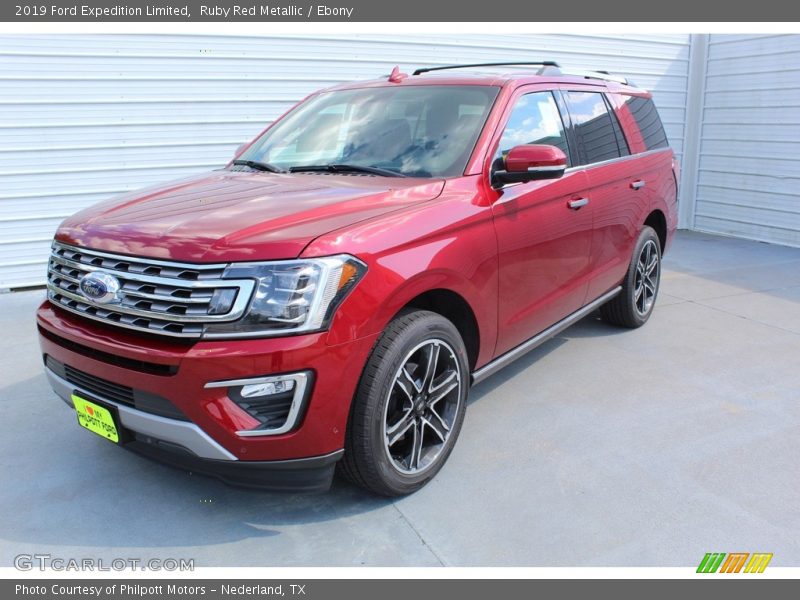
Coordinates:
(633, 306)
(410, 403)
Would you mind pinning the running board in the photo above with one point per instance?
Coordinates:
(504, 360)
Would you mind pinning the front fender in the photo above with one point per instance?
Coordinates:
(447, 244)
(378, 313)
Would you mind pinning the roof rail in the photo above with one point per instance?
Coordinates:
(547, 67)
(539, 63)
(604, 75)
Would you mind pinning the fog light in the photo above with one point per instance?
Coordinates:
(267, 389)
(277, 402)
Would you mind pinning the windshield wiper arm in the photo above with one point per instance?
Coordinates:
(342, 168)
(260, 166)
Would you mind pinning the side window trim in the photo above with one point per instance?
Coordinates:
(622, 143)
(573, 158)
(570, 162)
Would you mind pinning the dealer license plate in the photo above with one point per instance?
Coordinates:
(96, 418)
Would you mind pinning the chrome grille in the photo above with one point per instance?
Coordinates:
(155, 296)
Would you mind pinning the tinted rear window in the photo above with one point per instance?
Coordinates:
(646, 116)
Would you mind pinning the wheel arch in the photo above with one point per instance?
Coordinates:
(453, 307)
(471, 306)
(658, 221)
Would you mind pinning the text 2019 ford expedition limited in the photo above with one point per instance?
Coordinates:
(327, 299)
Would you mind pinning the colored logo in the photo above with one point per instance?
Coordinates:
(99, 287)
(735, 562)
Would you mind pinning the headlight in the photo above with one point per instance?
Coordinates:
(291, 296)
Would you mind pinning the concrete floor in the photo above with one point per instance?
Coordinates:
(605, 447)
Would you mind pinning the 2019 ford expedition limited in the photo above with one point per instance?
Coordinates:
(327, 299)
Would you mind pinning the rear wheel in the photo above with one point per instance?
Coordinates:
(410, 404)
(633, 306)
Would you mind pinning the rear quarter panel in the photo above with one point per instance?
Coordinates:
(620, 212)
(661, 170)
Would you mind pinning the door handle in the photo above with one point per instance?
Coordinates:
(638, 184)
(578, 203)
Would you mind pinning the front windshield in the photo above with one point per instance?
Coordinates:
(417, 131)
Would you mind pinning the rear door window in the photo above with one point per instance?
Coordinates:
(599, 135)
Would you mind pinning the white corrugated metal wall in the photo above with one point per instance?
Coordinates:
(83, 117)
(748, 177)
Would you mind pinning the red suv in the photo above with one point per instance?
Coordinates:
(327, 299)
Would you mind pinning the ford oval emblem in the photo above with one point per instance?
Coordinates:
(99, 287)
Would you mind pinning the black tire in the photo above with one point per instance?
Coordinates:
(633, 306)
(383, 393)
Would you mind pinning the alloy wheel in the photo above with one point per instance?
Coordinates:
(647, 276)
(422, 406)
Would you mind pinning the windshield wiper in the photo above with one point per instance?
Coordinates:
(259, 166)
(341, 168)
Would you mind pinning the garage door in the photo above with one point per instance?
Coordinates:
(85, 117)
(749, 173)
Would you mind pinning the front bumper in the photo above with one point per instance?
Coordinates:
(162, 430)
(205, 439)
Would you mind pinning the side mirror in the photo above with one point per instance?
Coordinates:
(529, 162)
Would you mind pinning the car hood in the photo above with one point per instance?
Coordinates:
(238, 216)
